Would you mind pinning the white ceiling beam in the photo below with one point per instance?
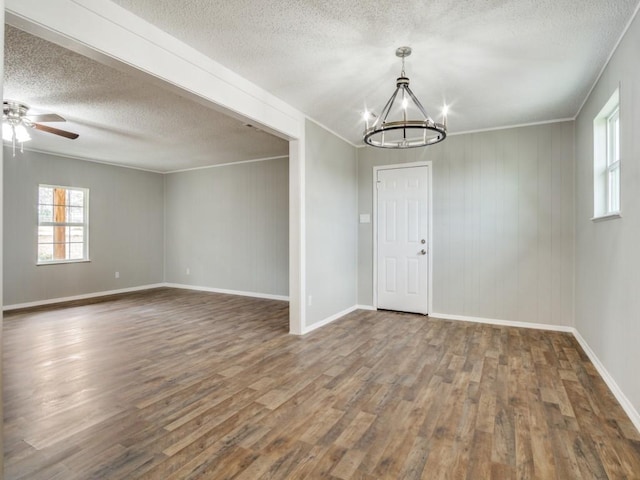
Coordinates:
(112, 35)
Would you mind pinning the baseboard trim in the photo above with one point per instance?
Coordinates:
(504, 323)
(626, 404)
(106, 293)
(267, 296)
(366, 307)
(328, 320)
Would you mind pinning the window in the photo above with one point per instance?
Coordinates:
(63, 214)
(606, 160)
(613, 161)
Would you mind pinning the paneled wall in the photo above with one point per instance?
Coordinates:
(502, 223)
(608, 252)
(126, 228)
(331, 224)
(228, 227)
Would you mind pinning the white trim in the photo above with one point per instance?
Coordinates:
(114, 36)
(507, 127)
(84, 296)
(602, 150)
(111, 164)
(504, 323)
(84, 224)
(606, 216)
(606, 64)
(374, 226)
(328, 320)
(626, 404)
(430, 248)
(366, 307)
(51, 301)
(85, 159)
(226, 291)
(312, 120)
(297, 238)
(239, 162)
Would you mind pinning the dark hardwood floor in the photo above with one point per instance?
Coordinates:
(171, 384)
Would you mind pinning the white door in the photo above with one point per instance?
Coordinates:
(402, 234)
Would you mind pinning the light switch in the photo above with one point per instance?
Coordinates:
(365, 218)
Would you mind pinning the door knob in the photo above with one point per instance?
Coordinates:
(423, 252)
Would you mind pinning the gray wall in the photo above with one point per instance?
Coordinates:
(502, 227)
(125, 228)
(229, 225)
(1, 252)
(331, 223)
(608, 252)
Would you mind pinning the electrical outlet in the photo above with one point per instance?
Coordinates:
(117, 274)
(188, 271)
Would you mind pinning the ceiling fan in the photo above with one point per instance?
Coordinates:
(16, 121)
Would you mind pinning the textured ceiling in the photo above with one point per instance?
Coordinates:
(495, 62)
(122, 119)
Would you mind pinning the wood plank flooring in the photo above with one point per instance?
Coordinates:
(170, 384)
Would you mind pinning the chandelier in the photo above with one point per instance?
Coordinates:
(403, 122)
(13, 126)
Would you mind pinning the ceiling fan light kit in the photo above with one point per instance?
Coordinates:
(400, 130)
(16, 122)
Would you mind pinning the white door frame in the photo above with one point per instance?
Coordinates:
(429, 223)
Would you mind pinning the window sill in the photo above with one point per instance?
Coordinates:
(607, 216)
(62, 262)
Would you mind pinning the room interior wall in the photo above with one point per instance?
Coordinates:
(331, 225)
(503, 204)
(126, 228)
(607, 253)
(229, 227)
(1, 241)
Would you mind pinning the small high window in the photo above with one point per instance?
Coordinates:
(606, 160)
(613, 161)
(63, 217)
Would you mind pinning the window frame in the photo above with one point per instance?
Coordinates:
(84, 224)
(607, 161)
(613, 162)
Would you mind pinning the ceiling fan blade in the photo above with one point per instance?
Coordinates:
(55, 131)
(45, 117)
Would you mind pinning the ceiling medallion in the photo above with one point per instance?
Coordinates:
(403, 122)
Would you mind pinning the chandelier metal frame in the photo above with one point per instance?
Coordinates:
(431, 132)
